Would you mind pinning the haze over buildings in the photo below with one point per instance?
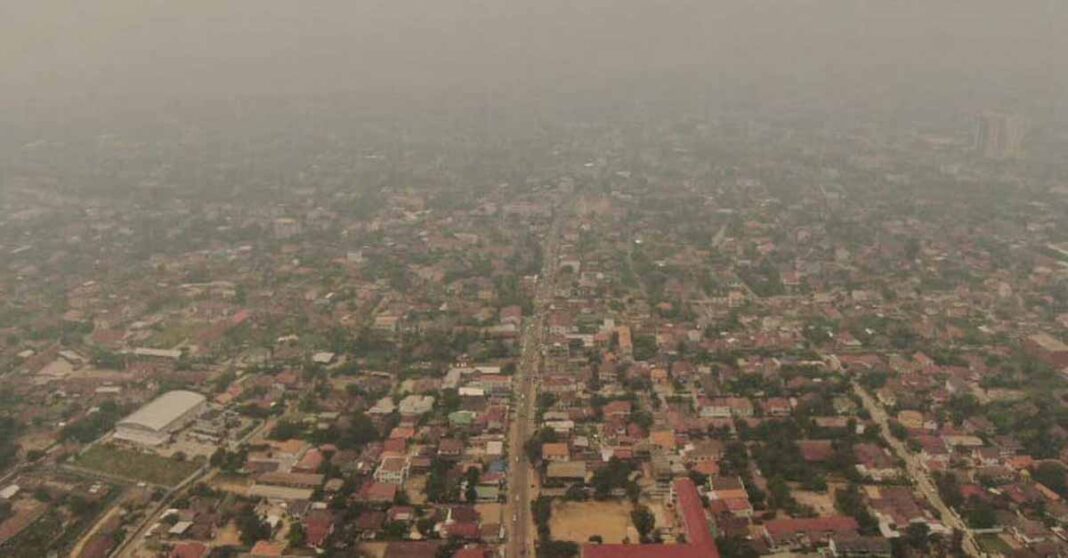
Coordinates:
(533, 279)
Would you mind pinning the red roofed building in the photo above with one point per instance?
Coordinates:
(472, 552)
(816, 451)
(189, 550)
(467, 530)
(645, 551)
(692, 510)
(797, 533)
(378, 492)
(318, 525)
(310, 463)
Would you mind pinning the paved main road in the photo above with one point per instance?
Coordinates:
(918, 473)
(520, 543)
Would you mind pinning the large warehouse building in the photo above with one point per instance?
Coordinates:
(154, 423)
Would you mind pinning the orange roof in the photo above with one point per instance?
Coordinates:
(1020, 462)
(555, 450)
(402, 432)
(663, 438)
(710, 468)
(292, 447)
(267, 549)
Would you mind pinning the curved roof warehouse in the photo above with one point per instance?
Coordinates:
(154, 423)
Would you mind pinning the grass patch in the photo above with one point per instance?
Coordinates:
(137, 466)
(173, 334)
(994, 545)
(37, 539)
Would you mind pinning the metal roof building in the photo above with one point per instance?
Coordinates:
(153, 423)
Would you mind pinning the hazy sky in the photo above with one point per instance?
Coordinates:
(113, 52)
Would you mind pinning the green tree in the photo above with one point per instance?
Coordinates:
(980, 515)
(297, 535)
(542, 510)
(252, 527)
(1052, 475)
(918, 536)
(557, 549)
(644, 522)
(472, 485)
(735, 547)
(849, 501)
(612, 476)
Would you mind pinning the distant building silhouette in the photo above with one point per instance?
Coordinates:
(999, 135)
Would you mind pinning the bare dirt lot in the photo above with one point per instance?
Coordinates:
(578, 521)
(822, 503)
(416, 489)
(374, 549)
(233, 485)
(229, 535)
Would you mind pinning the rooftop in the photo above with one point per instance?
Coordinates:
(163, 410)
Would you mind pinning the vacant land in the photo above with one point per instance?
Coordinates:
(822, 503)
(490, 513)
(135, 466)
(416, 489)
(232, 484)
(373, 549)
(578, 521)
(38, 537)
(994, 544)
(228, 535)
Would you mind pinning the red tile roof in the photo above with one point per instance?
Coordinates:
(644, 551)
(189, 550)
(779, 528)
(816, 451)
(694, 519)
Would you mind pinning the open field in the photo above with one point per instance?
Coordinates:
(172, 335)
(491, 512)
(822, 503)
(994, 544)
(234, 485)
(228, 535)
(136, 466)
(578, 521)
(373, 549)
(416, 489)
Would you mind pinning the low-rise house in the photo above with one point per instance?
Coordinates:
(378, 492)
(392, 470)
(556, 451)
(318, 526)
(860, 547)
(875, 462)
(416, 405)
(801, 533)
(705, 451)
(450, 448)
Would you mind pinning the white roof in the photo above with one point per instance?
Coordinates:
(181, 527)
(164, 410)
(158, 353)
(323, 358)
